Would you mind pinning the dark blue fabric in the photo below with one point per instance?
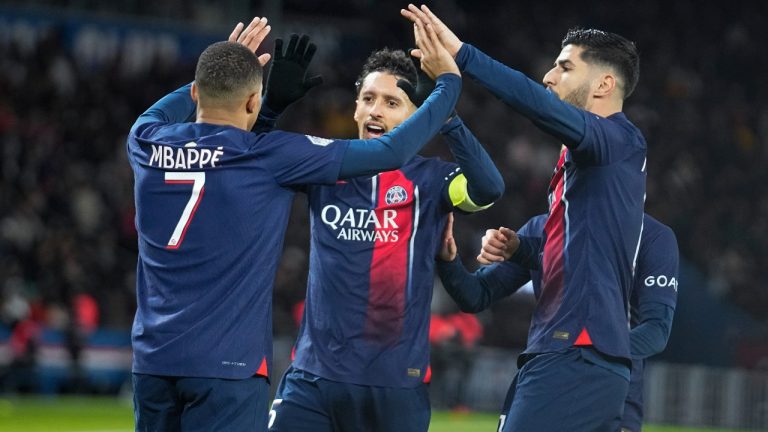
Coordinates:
(212, 206)
(170, 404)
(208, 236)
(510, 396)
(599, 221)
(599, 216)
(373, 240)
(652, 301)
(632, 420)
(176, 107)
(654, 291)
(307, 403)
(528, 97)
(484, 182)
(581, 396)
(349, 332)
(474, 292)
(528, 253)
(651, 335)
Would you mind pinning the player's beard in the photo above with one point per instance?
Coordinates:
(579, 96)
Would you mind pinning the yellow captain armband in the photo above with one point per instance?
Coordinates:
(457, 191)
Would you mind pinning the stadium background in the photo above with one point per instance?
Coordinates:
(75, 74)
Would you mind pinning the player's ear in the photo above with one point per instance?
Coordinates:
(193, 91)
(253, 104)
(606, 85)
(355, 115)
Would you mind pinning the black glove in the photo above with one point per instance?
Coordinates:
(287, 81)
(421, 92)
(423, 89)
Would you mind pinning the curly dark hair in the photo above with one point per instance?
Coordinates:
(395, 62)
(609, 49)
(227, 70)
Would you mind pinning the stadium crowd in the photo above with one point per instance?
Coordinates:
(67, 236)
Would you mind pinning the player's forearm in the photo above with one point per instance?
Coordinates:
(463, 287)
(475, 292)
(484, 182)
(391, 151)
(176, 107)
(651, 335)
(527, 253)
(526, 96)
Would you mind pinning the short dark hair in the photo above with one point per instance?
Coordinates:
(226, 71)
(609, 49)
(395, 62)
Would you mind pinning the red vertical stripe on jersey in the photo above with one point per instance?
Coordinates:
(389, 263)
(553, 261)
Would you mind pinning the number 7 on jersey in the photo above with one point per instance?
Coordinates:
(197, 180)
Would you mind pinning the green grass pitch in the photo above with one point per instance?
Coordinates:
(80, 414)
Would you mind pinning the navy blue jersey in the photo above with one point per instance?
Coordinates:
(596, 200)
(655, 283)
(652, 300)
(591, 240)
(373, 247)
(213, 199)
(654, 289)
(657, 268)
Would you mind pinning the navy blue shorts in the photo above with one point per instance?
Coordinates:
(507, 403)
(564, 391)
(632, 420)
(169, 404)
(307, 403)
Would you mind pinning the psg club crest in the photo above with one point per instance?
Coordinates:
(395, 195)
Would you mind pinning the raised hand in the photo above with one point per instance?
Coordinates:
(448, 248)
(288, 81)
(498, 245)
(435, 59)
(450, 41)
(252, 36)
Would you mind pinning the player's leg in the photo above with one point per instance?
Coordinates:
(212, 404)
(299, 404)
(632, 419)
(566, 391)
(155, 405)
(507, 404)
(378, 409)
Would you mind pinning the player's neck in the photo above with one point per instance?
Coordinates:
(221, 117)
(605, 107)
